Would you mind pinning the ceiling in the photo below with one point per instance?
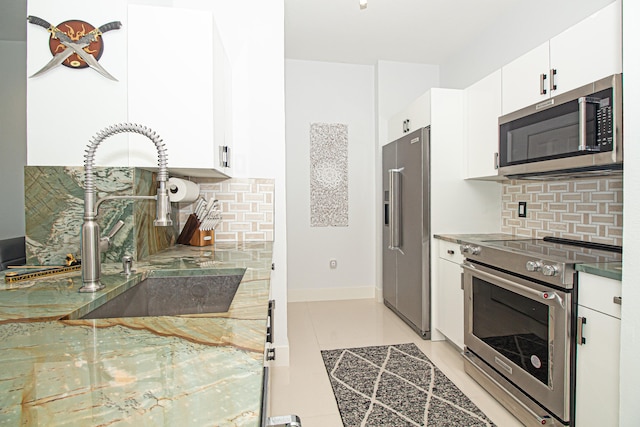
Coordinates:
(419, 31)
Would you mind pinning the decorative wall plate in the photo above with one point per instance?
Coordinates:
(76, 29)
(75, 44)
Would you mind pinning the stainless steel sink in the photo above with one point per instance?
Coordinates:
(170, 296)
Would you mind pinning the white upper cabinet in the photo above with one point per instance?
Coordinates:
(483, 106)
(588, 51)
(417, 115)
(176, 86)
(521, 81)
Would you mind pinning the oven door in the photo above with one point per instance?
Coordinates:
(522, 330)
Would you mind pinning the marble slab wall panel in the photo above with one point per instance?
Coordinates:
(54, 208)
(247, 206)
(582, 209)
(329, 180)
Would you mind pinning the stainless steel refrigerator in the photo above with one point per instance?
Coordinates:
(406, 230)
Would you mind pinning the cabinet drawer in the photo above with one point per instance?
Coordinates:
(450, 251)
(598, 293)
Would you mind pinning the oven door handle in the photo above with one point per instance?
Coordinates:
(508, 284)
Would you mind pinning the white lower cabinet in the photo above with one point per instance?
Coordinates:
(450, 297)
(598, 354)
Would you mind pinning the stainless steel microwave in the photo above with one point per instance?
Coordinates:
(575, 134)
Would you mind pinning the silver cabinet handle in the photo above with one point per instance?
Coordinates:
(579, 335)
(617, 300)
(450, 251)
(543, 77)
(552, 79)
(408, 125)
(495, 160)
(395, 213)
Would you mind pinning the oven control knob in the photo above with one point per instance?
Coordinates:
(534, 266)
(468, 249)
(550, 270)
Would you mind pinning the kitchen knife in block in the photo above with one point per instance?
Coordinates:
(188, 230)
(202, 238)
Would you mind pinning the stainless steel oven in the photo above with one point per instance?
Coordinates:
(522, 330)
(520, 299)
(574, 133)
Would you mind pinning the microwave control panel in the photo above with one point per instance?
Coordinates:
(604, 126)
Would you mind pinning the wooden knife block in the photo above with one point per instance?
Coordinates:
(202, 238)
(192, 235)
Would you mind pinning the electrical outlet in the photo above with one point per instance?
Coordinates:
(333, 263)
(522, 209)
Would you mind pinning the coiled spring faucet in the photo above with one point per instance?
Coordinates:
(92, 244)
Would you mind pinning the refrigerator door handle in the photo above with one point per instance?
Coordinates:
(395, 213)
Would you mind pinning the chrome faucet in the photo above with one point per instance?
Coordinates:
(92, 244)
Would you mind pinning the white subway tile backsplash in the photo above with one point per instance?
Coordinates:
(586, 209)
(246, 205)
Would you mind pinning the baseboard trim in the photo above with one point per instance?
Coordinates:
(330, 294)
(379, 297)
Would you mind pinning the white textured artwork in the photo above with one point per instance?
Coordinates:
(329, 175)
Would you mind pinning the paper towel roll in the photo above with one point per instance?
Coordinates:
(183, 191)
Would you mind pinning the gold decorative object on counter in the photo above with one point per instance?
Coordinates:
(70, 264)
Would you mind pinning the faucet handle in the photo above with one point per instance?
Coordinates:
(105, 242)
(114, 230)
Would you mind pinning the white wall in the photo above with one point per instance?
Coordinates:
(320, 92)
(13, 137)
(65, 107)
(630, 333)
(530, 24)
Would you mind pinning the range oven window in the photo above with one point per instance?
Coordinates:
(515, 326)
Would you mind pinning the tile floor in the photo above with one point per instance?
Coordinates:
(303, 387)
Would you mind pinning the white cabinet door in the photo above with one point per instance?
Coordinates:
(417, 115)
(521, 79)
(450, 302)
(588, 51)
(171, 84)
(222, 106)
(598, 370)
(585, 52)
(483, 106)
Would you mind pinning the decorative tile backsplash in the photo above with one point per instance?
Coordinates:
(247, 206)
(585, 209)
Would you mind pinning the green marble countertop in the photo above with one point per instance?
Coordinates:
(611, 270)
(192, 370)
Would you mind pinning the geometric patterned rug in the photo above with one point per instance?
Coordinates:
(396, 385)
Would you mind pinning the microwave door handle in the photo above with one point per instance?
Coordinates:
(582, 122)
(395, 211)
